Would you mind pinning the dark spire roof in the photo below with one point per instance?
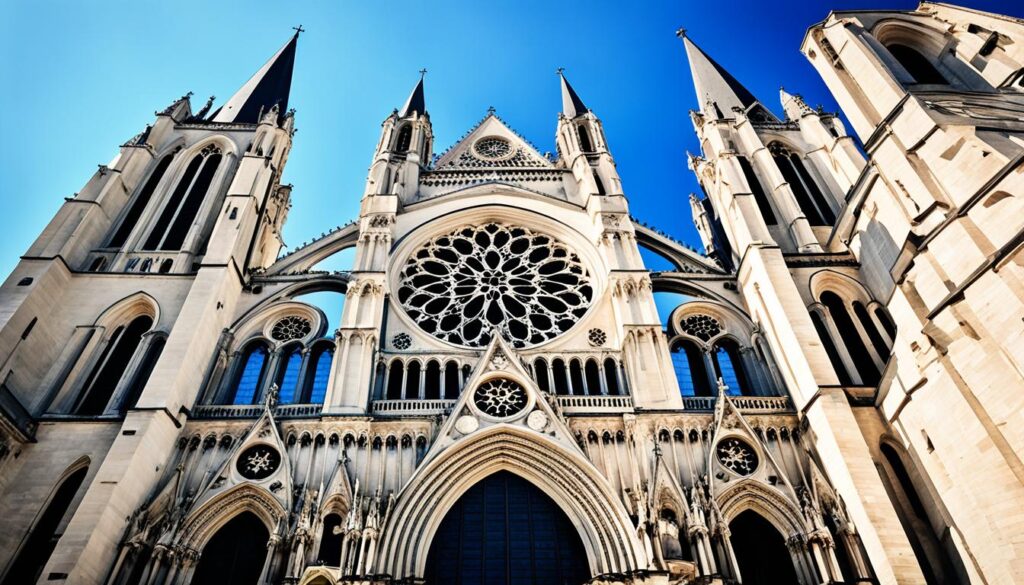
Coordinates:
(416, 102)
(572, 105)
(269, 87)
(714, 83)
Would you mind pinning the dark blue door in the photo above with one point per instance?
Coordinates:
(505, 531)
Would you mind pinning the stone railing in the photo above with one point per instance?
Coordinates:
(580, 404)
(410, 407)
(219, 411)
(746, 404)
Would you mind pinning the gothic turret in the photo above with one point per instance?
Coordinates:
(581, 144)
(405, 147)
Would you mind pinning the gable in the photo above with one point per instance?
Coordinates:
(493, 145)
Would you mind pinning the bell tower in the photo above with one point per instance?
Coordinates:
(404, 150)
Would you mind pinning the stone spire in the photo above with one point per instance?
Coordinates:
(717, 90)
(416, 102)
(572, 105)
(270, 86)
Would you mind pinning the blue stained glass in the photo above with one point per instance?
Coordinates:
(727, 371)
(252, 373)
(681, 365)
(290, 377)
(321, 375)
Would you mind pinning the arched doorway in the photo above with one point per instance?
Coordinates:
(761, 551)
(235, 554)
(506, 531)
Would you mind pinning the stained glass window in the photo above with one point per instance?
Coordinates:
(252, 374)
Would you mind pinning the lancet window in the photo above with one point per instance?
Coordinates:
(182, 206)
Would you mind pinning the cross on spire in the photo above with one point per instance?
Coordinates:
(298, 29)
(559, 70)
(681, 32)
(423, 72)
(491, 110)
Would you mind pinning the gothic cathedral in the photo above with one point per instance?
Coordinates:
(489, 394)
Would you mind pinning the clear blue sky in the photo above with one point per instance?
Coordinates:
(80, 78)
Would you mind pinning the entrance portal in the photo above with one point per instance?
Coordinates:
(761, 551)
(234, 556)
(505, 531)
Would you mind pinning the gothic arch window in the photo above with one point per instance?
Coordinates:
(251, 374)
(760, 197)
(322, 357)
(432, 381)
(874, 336)
(761, 552)
(404, 139)
(917, 65)
(112, 365)
(412, 380)
(451, 380)
(138, 205)
(560, 376)
(141, 378)
(592, 373)
(611, 376)
(729, 367)
(805, 188)
(330, 543)
(183, 205)
(575, 377)
(690, 369)
(395, 380)
(585, 144)
(234, 555)
(37, 547)
(858, 351)
(540, 373)
(288, 371)
(830, 349)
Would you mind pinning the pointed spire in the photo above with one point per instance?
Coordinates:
(793, 104)
(572, 105)
(269, 87)
(416, 102)
(716, 89)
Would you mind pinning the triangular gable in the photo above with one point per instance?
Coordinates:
(259, 459)
(465, 156)
(500, 362)
(730, 424)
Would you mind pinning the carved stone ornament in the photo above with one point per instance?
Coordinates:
(737, 456)
(499, 361)
(462, 286)
(258, 462)
(467, 424)
(537, 420)
(500, 398)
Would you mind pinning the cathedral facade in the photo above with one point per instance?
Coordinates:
(489, 393)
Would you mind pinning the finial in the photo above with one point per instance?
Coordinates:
(722, 387)
(559, 70)
(491, 110)
(298, 30)
(681, 32)
(657, 450)
(423, 73)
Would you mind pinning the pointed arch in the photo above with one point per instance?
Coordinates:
(772, 505)
(200, 525)
(571, 481)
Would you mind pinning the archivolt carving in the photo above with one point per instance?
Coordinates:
(569, 479)
(205, 521)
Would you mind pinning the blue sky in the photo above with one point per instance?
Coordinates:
(80, 78)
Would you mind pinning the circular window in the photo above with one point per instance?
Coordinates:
(258, 462)
(492, 148)
(528, 286)
(702, 327)
(401, 341)
(597, 337)
(291, 327)
(737, 456)
(500, 398)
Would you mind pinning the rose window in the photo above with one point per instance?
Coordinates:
(492, 148)
(527, 286)
(500, 398)
(258, 462)
(291, 327)
(597, 337)
(401, 341)
(702, 327)
(737, 456)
